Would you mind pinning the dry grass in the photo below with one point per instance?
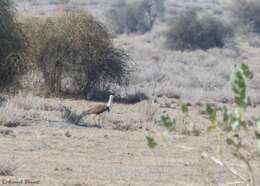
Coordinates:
(193, 76)
(72, 116)
(20, 109)
(7, 168)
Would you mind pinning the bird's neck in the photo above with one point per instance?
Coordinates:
(109, 103)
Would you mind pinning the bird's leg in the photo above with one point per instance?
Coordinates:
(96, 120)
(102, 119)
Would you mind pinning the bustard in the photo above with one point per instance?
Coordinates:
(95, 110)
(98, 109)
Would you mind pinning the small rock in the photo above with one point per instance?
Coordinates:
(189, 104)
(105, 136)
(199, 104)
(250, 123)
(130, 154)
(12, 124)
(224, 100)
(68, 169)
(67, 134)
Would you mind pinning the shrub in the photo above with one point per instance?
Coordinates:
(189, 31)
(12, 45)
(75, 46)
(137, 16)
(58, 2)
(248, 12)
(132, 98)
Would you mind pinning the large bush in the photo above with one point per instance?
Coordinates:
(135, 16)
(75, 49)
(12, 45)
(189, 31)
(248, 12)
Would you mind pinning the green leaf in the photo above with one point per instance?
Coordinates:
(246, 71)
(225, 115)
(168, 123)
(230, 141)
(165, 135)
(238, 113)
(184, 108)
(258, 145)
(257, 132)
(151, 142)
(235, 124)
(238, 81)
(212, 114)
(211, 128)
(234, 140)
(258, 123)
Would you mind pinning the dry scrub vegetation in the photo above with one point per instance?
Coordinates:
(21, 110)
(12, 46)
(162, 59)
(75, 54)
(209, 48)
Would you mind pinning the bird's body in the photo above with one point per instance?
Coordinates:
(95, 110)
(100, 108)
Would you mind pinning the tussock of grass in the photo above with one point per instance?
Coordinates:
(72, 116)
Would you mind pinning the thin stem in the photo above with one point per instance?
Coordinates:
(250, 168)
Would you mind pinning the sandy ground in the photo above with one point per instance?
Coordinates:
(50, 152)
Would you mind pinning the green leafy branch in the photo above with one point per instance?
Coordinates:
(168, 126)
(234, 118)
(232, 123)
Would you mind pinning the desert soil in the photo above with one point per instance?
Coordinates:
(55, 152)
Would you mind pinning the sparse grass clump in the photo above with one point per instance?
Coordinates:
(75, 48)
(72, 116)
(135, 16)
(189, 31)
(12, 45)
(21, 110)
(7, 168)
(248, 12)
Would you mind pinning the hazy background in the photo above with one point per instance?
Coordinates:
(160, 72)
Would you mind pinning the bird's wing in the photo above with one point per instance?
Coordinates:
(96, 109)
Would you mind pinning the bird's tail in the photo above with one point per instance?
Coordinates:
(83, 114)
